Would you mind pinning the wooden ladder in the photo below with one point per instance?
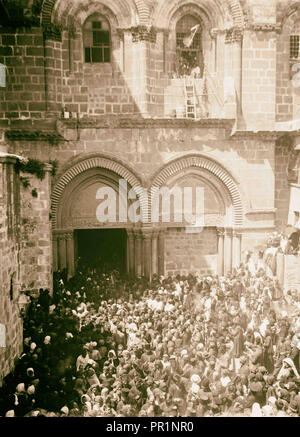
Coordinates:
(190, 99)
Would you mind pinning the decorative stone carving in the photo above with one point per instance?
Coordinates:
(234, 34)
(266, 27)
(143, 33)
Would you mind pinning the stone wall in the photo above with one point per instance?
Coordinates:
(36, 241)
(9, 268)
(190, 253)
(259, 79)
(149, 146)
(282, 188)
(22, 52)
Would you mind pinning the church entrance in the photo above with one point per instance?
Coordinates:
(102, 248)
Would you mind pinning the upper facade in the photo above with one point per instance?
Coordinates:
(204, 59)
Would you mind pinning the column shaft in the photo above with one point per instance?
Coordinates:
(236, 250)
(55, 251)
(131, 260)
(138, 254)
(62, 252)
(154, 254)
(147, 254)
(70, 254)
(161, 253)
(220, 252)
(228, 251)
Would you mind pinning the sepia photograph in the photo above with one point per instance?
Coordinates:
(149, 211)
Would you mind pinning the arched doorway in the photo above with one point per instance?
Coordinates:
(84, 233)
(151, 247)
(215, 246)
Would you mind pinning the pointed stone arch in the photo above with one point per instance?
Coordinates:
(57, 11)
(212, 167)
(217, 11)
(87, 163)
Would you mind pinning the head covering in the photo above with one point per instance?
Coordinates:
(10, 413)
(31, 390)
(256, 410)
(21, 387)
(195, 379)
(65, 410)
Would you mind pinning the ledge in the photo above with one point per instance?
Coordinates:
(265, 135)
(33, 135)
(119, 123)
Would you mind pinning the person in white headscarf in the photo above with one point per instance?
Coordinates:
(287, 366)
(256, 410)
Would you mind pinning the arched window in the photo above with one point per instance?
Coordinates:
(96, 39)
(189, 45)
(295, 43)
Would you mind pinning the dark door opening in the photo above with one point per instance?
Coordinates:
(104, 249)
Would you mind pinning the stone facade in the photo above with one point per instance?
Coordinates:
(125, 119)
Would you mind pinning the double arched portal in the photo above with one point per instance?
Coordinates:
(128, 234)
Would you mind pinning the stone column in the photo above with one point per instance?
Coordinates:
(62, 251)
(228, 251)
(55, 256)
(70, 254)
(154, 253)
(147, 246)
(236, 249)
(161, 252)
(130, 252)
(138, 253)
(221, 234)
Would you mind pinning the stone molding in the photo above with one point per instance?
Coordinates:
(266, 27)
(143, 33)
(234, 34)
(82, 166)
(214, 168)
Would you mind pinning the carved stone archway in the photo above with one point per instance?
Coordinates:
(229, 234)
(79, 176)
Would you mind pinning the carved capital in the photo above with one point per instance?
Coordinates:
(143, 33)
(221, 232)
(228, 232)
(214, 32)
(266, 27)
(69, 236)
(52, 32)
(234, 34)
(236, 233)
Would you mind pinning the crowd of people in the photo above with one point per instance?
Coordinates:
(184, 346)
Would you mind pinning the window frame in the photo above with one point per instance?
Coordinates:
(196, 49)
(94, 50)
(291, 43)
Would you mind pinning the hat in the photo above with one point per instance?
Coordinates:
(294, 406)
(65, 410)
(20, 387)
(47, 339)
(31, 390)
(10, 413)
(30, 371)
(256, 386)
(195, 379)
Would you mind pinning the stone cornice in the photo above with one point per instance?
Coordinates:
(265, 27)
(140, 123)
(264, 135)
(261, 211)
(33, 135)
(234, 34)
(143, 33)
